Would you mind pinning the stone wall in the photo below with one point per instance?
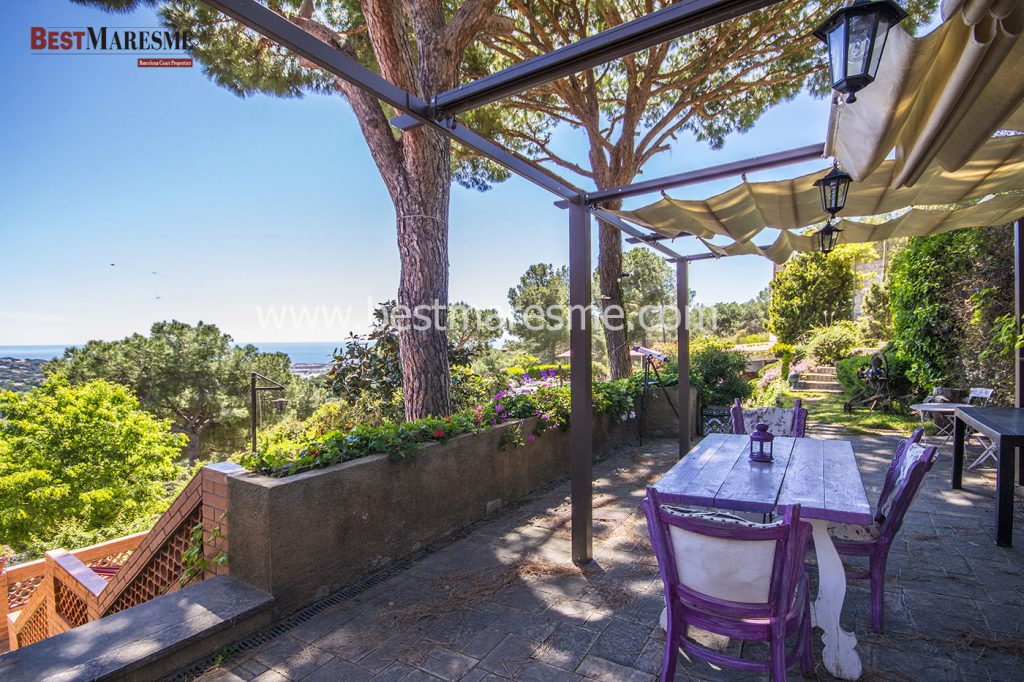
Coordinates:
(306, 536)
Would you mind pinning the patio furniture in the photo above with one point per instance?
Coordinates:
(819, 475)
(979, 397)
(945, 412)
(1004, 426)
(762, 597)
(910, 463)
(781, 421)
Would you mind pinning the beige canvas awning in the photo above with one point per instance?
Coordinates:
(918, 222)
(936, 98)
(743, 211)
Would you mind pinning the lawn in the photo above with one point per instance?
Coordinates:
(827, 408)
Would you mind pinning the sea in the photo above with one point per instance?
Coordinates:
(301, 353)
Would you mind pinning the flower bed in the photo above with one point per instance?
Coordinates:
(546, 404)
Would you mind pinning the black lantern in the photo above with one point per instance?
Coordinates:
(856, 36)
(761, 444)
(833, 189)
(828, 237)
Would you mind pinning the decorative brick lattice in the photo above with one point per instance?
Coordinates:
(69, 606)
(18, 593)
(116, 559)
(163, 569)
(34, 629)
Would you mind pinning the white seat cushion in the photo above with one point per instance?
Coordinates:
(735, 570)
(914, 452)
(854, 532)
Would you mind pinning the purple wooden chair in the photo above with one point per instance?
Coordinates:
(906, 473)
(781, 421)
(734, 578)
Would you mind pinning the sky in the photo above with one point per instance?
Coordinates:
(132, 195)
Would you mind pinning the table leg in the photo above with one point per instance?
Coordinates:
(959, 431)
(1004, 494)
(840, 654)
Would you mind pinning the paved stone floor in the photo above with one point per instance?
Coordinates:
(506, 603)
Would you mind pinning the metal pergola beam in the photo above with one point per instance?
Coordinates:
(694, 177)
(274, 26)
(679, 19)
(618, 222)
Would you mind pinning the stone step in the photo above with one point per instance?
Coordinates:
(815, 376)
(821, 384)
(825, 369)
(149, 641)
(815, 389)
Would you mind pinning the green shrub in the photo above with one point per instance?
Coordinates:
(784, 352)
(769, 394)
(900, 385)
(828, 344)
(717, 373)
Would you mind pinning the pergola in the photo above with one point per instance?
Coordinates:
(681, 18)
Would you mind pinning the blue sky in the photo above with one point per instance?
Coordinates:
(221, 209)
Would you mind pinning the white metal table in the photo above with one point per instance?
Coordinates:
(948, 409)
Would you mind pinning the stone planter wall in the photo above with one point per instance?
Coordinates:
(306, 536)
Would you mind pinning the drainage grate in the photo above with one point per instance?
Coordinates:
(231, 652)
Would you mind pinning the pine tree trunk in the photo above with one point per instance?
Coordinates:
(422, 222)
(609, 270)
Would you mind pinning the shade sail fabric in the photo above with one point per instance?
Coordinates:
(936, 98)
(917, 222)
(743, 211)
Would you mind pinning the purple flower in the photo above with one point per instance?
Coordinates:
(531, 438)
(499, 407)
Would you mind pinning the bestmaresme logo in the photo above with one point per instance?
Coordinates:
(69, 40)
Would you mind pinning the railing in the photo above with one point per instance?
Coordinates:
(64, 589)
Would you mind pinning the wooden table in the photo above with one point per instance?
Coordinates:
(1005, 427)
(820, 475)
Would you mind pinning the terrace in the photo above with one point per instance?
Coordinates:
(563, 583)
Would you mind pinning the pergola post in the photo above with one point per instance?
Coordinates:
(1018, 310)
(683, 353)
(581, 411)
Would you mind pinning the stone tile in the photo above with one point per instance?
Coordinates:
(535, 671)
(394, 672)
(483, 643)
(335, 670)
(508, 657)
(567, 646)
(445, 664)
(292, 658)
(525, 624)
(321, 625)
(597, 668)
(622, 642)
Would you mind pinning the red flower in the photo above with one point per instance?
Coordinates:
(315, 453)
(438, 433)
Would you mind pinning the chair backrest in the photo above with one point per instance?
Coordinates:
(980, 396)
(894, 470)
(916, 462)
(781, 421)
(725, 565)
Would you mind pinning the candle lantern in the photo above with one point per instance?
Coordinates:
(761, 444)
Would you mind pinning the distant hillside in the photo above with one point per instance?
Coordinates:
(18, 374)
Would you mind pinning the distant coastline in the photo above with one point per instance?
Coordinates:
(301, 353)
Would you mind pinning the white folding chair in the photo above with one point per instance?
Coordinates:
(980, 397)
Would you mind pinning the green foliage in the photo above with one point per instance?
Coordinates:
(473, 330)
(949, 296)
(785, 353)
(649, 288)
(876, 318)
(828, 344)
(370, 366)
(311, 446)
(846, 374)
(540, 310)
(192, 375)
(717, 373)
(746, 321)
(811, 290)
(771, 394)
(80, 464)
(194, 558)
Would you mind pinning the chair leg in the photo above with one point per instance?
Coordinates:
(806, 642)
(778, 654)
(671, 657)
(877, 569)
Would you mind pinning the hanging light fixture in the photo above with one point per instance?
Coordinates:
(855, 36)
(833, 187)
(828, 237)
